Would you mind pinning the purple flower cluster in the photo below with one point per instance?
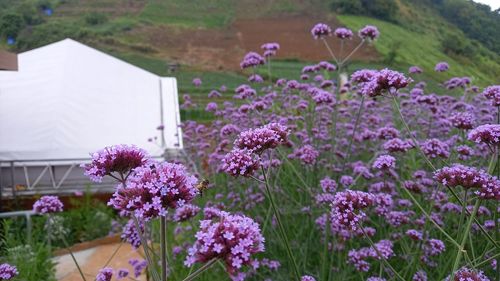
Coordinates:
(105, 274)
(263, 138)
(7, 271)
(383, 250)
(244, 91)
(307, 154)
(493, 93)
(469, 177)
(252, 59)
(231, 238)
(48, 204)
(415, 70)
(385, 80)
(321, 30)
(196, 82)
(347, 208)
(466, 274)
(240, 162)
(122, 273)
(343, 33)
(488, 134)
(441, 66)
(462, 120)
(119, 159)
(369, 32)
(152, 189)
(186, 212)
(138, 266)
(398, 145)
(434, 148)
(384, 162)
(130, 234)
(270, 49)
(328, 185)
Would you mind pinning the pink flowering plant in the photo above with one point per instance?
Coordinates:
(370, 176)
(373, 177)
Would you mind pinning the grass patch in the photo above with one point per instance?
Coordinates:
(415, 48)
(193, 13)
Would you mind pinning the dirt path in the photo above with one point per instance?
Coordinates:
(93, 259)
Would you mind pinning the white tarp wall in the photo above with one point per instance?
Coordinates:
(68, 100)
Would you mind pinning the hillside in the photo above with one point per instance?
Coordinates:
(208, 38)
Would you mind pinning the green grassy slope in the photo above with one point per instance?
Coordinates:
(418, 37)
(422, 49)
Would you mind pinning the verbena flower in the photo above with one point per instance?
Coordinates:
(347, 208)
(130, 234)
(434, 148)
(369, 32)
(270, 49)
(462, 120)
(415, 70)
(152, 189)
(493, 93)
(122, 273)
(441, 66)
(466, 274)
(7, 271)
(196, 82)
(384, 162)
(48, 204)
(260, 139)
(419, 276)
(231, 238)
(469, 177)
(343, 33)
(321, 30)
(252, 59)
(307, 154)
(328, 185)
(105, 274)
(307, 278)
(358, 257)
(138, 266)
(488, 134)
(244, 91)
(385, 80)
(211, 107)
(186, 212)
(255, 78)
(119, 159)
(398, 145)
(240, 162)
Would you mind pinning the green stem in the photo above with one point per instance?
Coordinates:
(379, 254)
(200, 270)
(153, 272)
(280, 226)
(429, 217)
(461, 250)
(73, 257)
(163, 247)
(356, 123)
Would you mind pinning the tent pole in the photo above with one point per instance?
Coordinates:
(1, 187)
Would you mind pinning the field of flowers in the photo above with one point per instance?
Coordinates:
(327, 177)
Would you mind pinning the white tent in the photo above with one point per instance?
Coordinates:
(67, 100)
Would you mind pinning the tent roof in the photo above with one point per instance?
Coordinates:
(68, 100)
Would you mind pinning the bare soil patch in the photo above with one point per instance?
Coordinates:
(222, 49)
